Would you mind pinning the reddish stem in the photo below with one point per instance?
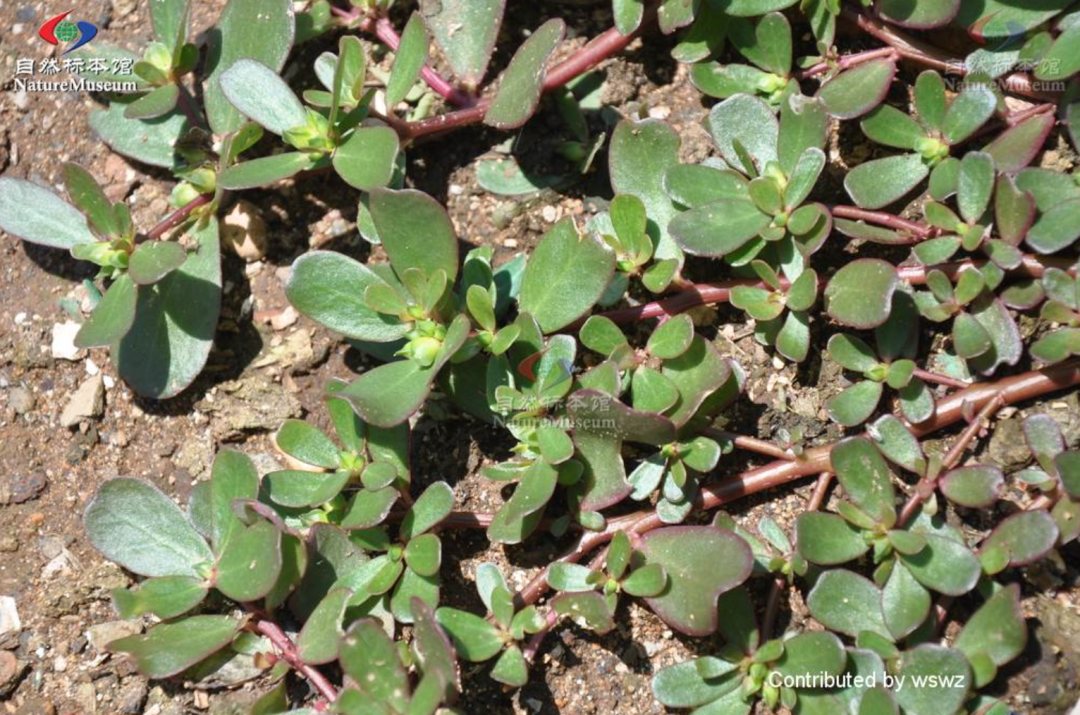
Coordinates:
(926, 54)
(597, 50)
(750, 444)
(385, 31)
(177, 217)
(848, 61)
(927, 485)
(927, 376)
(949, 410)
(288, 652)
(187, 106)
(710, 293)
(881, 218)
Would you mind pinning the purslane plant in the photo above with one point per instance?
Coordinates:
(321, 561)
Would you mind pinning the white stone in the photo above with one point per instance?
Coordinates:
(63, 341)
(9, 616)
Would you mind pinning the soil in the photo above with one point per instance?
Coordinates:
(268, 366)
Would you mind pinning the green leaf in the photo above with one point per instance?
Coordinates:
(259, 30)
(976, 486)
(262, 96)
(856, 91)
(827, 539)
(1026, 536)
(1056, 229)
(430, 508)
(424, 554)
(367, 158)
(250, 562)
(465, 31)
(975, 185)
(865, 476)
(647, 581)
(294, 488)
(905, 604)
(329, 288)
(565, 576)
(474, 638)
(1067, 465)
(113, 316)
(652, 392)
(168, 649)
(697, 373)
(804, 124)
(889, 126)
(640, 157)
(555, 444)
(601, 335)
(153, 261)
(522, 82)
(565, 276)
(803, 177)
(855, 404)
(683, 686)
(878, 701)
(415, 231)
(767, 43)
(866, 187)
(320, 638)
(175, 320)
(86, 195)
(602, 423)
(34, 214)
(946, 693)
(1014, 210)
(705, 37)
(369, 508)
(588, 609)
(1017, 146)
(1007, 348)
(408, 60)
(812, 653)
(930, 100)
(628, 14)
(1061, 60)
(307, 443)
(165, 597)
(718, 228)
(134, 524)
(265, 170)
(168, 18)
(967, 112)
(748, 121)
(701, 562)
(233, 476)
(897, 443)
(671, 338)
(511, 668)
(371, 659)
(851, 353)
(859, 295)
(149, 141)
(507, 178)
(156, 103)
(996, 629)
(945, 566)
(920, 14)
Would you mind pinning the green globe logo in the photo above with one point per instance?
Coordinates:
(67, 31)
